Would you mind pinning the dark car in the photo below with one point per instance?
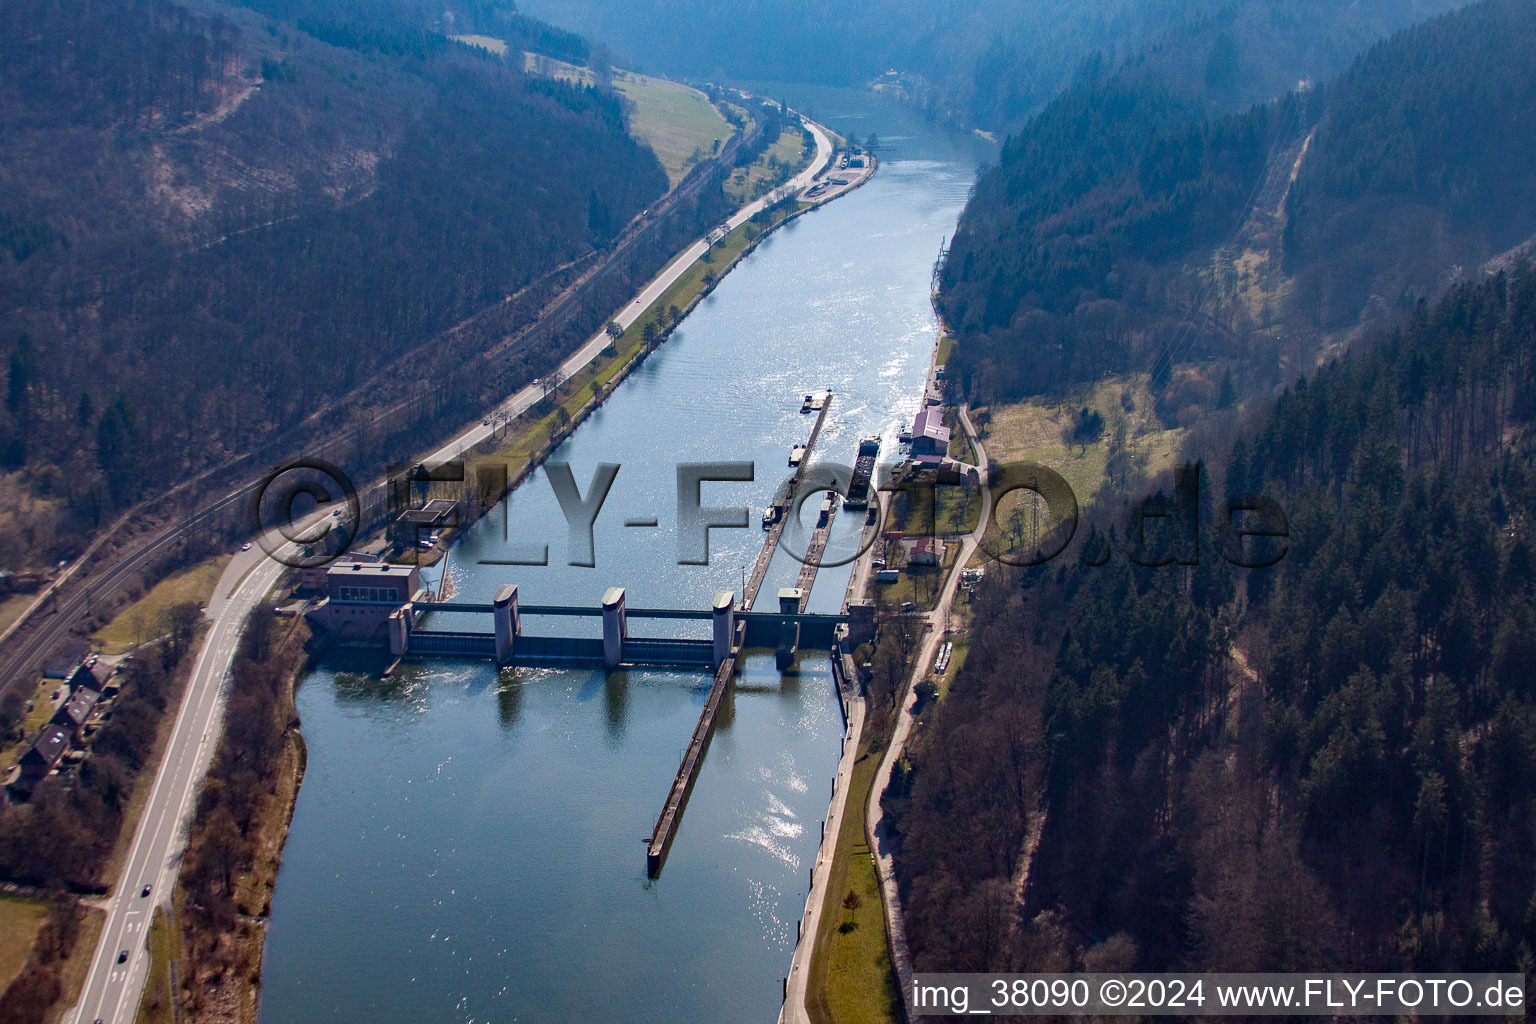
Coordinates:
(122, 957)
(145, 892)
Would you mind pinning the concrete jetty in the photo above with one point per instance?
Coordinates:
(813, 552)
(728, 633)
(786, 505)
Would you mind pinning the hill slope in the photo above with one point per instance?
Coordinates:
(216, 222)
(992, 63)
(1088, 250)
(1326, 765)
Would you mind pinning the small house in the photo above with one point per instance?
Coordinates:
(926, 551)
(75, 712)
(930, 437)
(45, 754)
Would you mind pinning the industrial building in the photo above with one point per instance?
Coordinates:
(359, 597)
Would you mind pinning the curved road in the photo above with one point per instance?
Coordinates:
(112, 990)
(875, 822)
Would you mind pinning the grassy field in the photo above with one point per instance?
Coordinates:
(78, 964)
(12, 607)
(19, 921)
(678, 123)
(157, 1004)
(851, 980)
(1032, 431)
(145, 618)
(946, 345)
(949, 509)
(780, 162)
(959, 445)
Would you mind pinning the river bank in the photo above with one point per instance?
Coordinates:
(221, 974)
(467, 842)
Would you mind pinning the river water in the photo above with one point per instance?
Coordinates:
(468, 845)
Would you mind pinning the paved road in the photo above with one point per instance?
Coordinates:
(797, 984)
(112, 990)
(530, 395)
(891, 897)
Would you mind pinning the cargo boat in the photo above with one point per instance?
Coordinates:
(863, 473)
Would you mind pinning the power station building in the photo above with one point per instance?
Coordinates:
(359, 597)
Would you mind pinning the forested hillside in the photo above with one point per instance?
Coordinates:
(992, 63)
(212, 225)
(1424, 160)
(1089, 249)
(1328, 762)
(1069, 260)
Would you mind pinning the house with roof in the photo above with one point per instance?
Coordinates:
(930, 437)
(926, 551)
(92, 673)
(76, 712)
(45, 753)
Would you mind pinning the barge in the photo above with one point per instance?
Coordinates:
(863, 474)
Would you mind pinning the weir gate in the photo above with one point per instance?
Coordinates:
(506, 643)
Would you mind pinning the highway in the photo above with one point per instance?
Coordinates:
(526, 398)
(112, 990)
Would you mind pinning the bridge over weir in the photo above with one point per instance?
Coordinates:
(507, 643)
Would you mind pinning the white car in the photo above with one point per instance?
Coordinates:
(246, 546)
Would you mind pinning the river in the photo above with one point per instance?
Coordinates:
(468, 845)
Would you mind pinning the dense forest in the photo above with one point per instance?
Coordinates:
(993, 63)
(1069, 260)
(1424, 160)
(1089, 248)
(217, 223)
(1331, 761)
